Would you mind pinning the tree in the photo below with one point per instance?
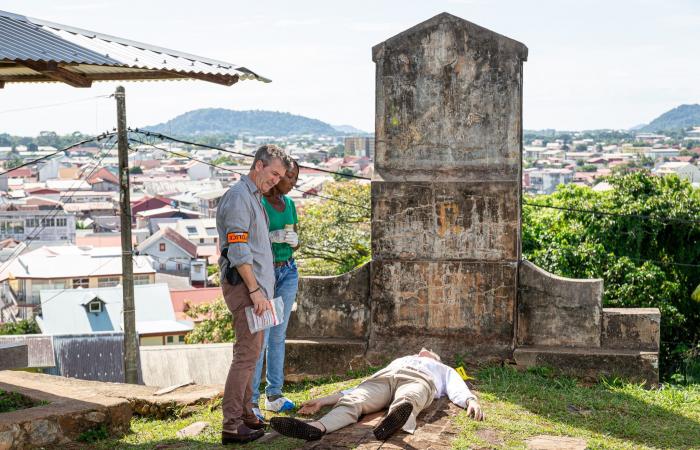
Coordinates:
(136, 170)
(216, 327)
(339, 176)
(644, 263)
(335, 236)
(28, 326)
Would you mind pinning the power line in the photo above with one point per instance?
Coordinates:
(50, 105)
(606, 213)
(213, 147)
(44, 220)
(242, 173)
(77, 144)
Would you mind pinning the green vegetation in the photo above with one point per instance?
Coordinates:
(45, 138)
(12, 401)
(608, 415)
(644, 263)
(335, 237)
(22, 327)
(518, 405)
(217, 327)
(94, 434)
(227, 122)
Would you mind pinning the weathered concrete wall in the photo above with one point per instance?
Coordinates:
(335, 307)
(208, 364)
(631, 328)
(445, 197)
(13, 356)
(557, 311)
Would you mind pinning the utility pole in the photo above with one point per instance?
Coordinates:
(131, 347)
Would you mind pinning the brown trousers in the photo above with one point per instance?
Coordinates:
(246, 350)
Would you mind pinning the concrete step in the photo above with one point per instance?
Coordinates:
(592, 363)
(631, 328)
(313, 358)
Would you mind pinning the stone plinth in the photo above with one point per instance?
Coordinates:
(558, 311)
(632, 328)
(445, 198)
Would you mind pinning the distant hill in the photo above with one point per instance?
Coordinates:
(211, 121)
(678, 118)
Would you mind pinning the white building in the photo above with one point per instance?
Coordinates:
(169, 251)
(684, 170)
(46, 225)
(545, 181)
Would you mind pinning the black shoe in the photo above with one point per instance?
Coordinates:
(393, 421)
(295, 428)
(243, 435)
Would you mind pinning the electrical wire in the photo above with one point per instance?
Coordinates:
(77, 144)
(56, 209)
(606, 213)
(213, 147)
(182, 155)
(50, 105)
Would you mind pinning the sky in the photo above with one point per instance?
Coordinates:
(592, 64)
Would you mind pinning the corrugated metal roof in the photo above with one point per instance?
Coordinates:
(38, 50)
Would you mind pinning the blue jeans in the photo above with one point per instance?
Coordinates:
(286, 284)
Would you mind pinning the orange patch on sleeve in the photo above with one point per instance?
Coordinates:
(237, 238)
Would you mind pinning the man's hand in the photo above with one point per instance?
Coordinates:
(260, 303)
(474, 410)
(292, 238)
(310, 407)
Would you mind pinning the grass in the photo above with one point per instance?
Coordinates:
(518, 405)
(12, 401)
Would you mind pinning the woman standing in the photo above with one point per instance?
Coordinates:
(283, 219)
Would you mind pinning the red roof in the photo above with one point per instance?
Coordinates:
(103, 175)
(201, 296)
(22, 172)
(174, 237)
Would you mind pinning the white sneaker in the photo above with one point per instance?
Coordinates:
(258, 413)
(279, 405)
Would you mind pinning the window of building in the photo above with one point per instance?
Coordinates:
(141, 279)
(191, 230)
(197, 268)
(31, 223)
(181, 339)
(81, 283)
(212, 232)
(162, 246)
(162, 266)
(201, 240)
(108, 281)
(95, 306)
(61, 222)
(179, 266)
(169, 339)
(48, 222)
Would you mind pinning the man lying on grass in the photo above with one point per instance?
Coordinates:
(407, 386)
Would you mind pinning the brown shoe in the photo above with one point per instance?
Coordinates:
(243, 435)
(255, 424)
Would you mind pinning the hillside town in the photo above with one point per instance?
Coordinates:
(61, 231)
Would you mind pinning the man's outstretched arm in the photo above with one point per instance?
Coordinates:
(460, 395)
(313, 406)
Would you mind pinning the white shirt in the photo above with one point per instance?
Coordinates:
(447, 380)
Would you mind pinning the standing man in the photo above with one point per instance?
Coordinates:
(247, 279)
(282, 213)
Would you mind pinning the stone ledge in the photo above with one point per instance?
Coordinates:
(631, 328)
(592, 363)
(319, 358)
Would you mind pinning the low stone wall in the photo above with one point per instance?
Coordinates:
(332, 307)
(557, 311)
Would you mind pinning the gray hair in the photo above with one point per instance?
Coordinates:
(268, 152)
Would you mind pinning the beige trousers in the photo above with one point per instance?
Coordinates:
(387, 388)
